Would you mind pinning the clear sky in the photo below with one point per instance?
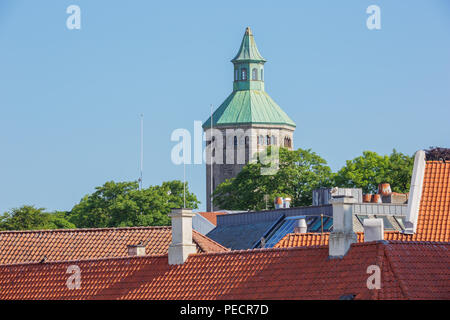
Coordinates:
(70, 99)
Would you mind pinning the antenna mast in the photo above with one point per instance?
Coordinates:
(211, 164)
(142, 152)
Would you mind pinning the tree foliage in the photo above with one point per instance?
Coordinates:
(299, 172)
(31, 218)
(122, 204)
(371, 169)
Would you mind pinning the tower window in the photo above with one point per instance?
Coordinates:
(268, 140)
(236, 74)
(254, 74)
(235, 141)
(243, 74)
(261, 140)
(246, 141)
(262, 75)
(287, 142)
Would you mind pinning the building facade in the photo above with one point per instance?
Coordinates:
(246, 123)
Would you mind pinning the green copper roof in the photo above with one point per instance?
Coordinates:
(249, 107)
(248, 50)
(248, 103)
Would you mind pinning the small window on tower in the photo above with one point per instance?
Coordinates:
(235, 141)
(254, 74)
(262, 75)
(243, 74)
(236, 74)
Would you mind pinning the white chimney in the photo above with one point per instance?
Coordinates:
(181, 246)
(373, 230)
(300, 226)
(136, 250)
(415, 192)
(342, 235)
(287, 202)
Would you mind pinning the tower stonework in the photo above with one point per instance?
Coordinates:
(245, 123)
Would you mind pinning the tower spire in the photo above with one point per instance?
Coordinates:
(248, 65)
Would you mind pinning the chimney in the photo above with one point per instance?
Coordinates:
(342, 235)
(136, 250)
(278, 202)
(373, 230)
(300, 226)
(181, 246)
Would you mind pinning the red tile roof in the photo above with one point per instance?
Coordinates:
(412, 270)
(211, 216)
(76, 244)
(433, 222)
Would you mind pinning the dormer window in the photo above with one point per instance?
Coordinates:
(254, 74)
(243, 74)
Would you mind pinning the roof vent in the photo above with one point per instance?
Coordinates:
(136, 250)
(300, 226)
(373, 229)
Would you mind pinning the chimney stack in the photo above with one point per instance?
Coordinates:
(373, 230)
(181, 246)
(300, 226)
(342, 235)
(136, 250)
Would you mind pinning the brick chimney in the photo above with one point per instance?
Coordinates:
(181, 246)
(342, 235)
(373, 229)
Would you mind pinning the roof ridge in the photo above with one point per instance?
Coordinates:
(82, 260)
(84, 229)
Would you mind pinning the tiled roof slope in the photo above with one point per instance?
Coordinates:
(413, 270)
(77, 244)
(211, 216)
(433, 223)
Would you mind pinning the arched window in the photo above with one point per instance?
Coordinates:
(268, 140)
(262, 75)
(235, 141)
(261, 140)
(274, 140)
(246, 141)
(287, 142)
(243, 74)
(214, 152)
(254, 74)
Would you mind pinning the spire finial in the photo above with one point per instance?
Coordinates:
(248, 31)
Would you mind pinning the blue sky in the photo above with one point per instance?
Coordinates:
(70, 99)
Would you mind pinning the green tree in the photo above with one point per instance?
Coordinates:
(31, 218)
(299, 172)
(371, 169)
(122, 204)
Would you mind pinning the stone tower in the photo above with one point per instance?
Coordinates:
(245, 123)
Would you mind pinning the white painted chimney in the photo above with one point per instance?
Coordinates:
(342, 235)
(136, 250)
(181, 246)
(373, 229)
(300, 226)
(286, 202)
(415, 192)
